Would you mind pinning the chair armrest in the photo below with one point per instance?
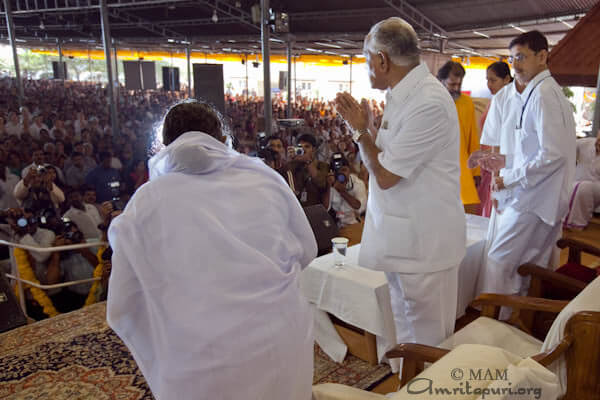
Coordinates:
(415, 356)
(335, 391)
(415, 351)
(577, 247)
(549, 357)
(519, 302)
(556, 279)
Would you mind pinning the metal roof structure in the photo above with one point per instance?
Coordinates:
(333, 27)
(573, 61)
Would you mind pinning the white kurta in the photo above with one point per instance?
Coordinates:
(585, 197)
(204, 284)
(540, 161)
(415, 231)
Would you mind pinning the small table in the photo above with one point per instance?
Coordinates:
(360, 297)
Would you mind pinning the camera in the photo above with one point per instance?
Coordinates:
(269, 156)
(262, 140)
(25, 222)
(73, 235)
(41, 169)
(337, 162)
(115, 190)
(298, 150)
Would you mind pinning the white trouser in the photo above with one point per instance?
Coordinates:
(584, 200)
(424, 305)
(516, 238)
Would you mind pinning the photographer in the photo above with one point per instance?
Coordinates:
(24, 229)
(85, 216)
(347, 198)
(307, 176)
(38, 186)
(102, 177)
(74, 265)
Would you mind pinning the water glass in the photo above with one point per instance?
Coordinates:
(339, 247)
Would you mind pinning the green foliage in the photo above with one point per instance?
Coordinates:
(568, 94)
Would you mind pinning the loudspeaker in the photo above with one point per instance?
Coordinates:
(11, 314)
(56, 70)
(148, 75)
(209, 85)
(133, 76)
(323, 226)
(139, 75)
(283, 77)
(170, 76)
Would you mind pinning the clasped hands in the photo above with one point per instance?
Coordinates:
(489, 161)
(357, 116)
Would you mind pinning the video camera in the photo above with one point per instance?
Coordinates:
(115, 190)
(337, 162)
(268, 156)
(73, 235)
(262, 140)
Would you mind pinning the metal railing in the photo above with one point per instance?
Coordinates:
(20, 281)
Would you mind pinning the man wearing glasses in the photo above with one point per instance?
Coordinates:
(533, 124)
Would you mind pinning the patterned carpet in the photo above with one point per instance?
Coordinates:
(77, 356)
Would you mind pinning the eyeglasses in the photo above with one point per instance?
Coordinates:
(519, 57)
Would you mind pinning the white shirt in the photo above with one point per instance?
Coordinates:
(345, 213)
(540, 159)
(204, 284)
(85, 222)
(7, 187)
(34, 130)
(13, 129)
(418, 225)
(588, 162)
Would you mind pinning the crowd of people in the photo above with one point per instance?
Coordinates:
(398, 179)
(61, 165)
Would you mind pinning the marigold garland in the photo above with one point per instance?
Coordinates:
(93, 296)
(25, 271)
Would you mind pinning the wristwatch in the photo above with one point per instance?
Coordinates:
(356, 135)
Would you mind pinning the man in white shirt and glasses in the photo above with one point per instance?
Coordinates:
(533, 124)
(415, 222)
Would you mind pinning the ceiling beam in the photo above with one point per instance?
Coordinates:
(231, 11)
(49, 6)
(145, 24)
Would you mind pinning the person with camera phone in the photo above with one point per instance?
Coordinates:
(39, 184)
(306, 175)
(347, 198)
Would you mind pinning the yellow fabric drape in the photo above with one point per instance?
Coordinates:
(26, 272)
(469, 142)
(93, 294)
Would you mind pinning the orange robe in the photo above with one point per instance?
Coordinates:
(469, 142)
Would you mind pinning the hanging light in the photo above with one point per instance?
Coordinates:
(215, 17)
(42, 26)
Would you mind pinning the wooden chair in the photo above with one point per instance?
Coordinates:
(543, 279)
(556, 285)
(571, 349)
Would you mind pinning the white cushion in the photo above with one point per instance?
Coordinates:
(335, 391)
(527, 380)
(452, 372)
(491, 332)
(586, 300)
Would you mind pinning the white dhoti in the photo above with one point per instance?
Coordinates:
(424, 305)
(516, 238)
(585, 198)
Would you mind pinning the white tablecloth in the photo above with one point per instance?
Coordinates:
(360, 296)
